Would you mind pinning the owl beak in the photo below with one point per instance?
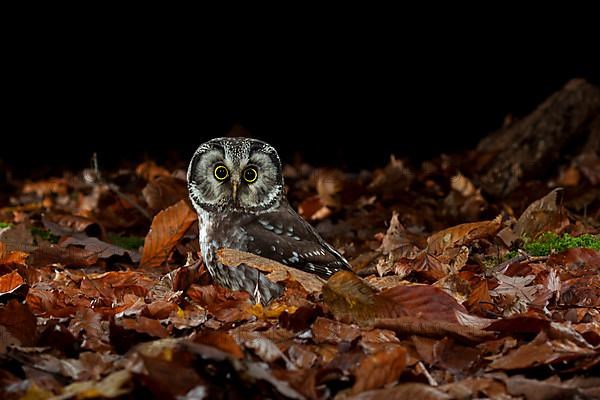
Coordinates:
(234, 186)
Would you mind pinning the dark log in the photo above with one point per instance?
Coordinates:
(526, 147)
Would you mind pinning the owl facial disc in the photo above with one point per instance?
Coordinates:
(238, 174)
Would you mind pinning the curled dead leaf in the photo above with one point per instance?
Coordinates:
(350, 299)
(541, 351)
(277, 272)
(163, 192)
(8, 257)
(462, 234)
(380, 369)
(398, 240)
(541, 216)
(149, 171)
(12, 286)
(314, 209)
(168, 226)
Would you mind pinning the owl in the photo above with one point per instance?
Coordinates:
(236, 186)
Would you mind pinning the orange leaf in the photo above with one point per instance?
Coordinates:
(168, 226)
(542, 215)
(163, 192)
(541, 351)
(222, 341)
(19, 322)
(11, 257)
(10, 282)
(380, 368)
(149, 326)
(313, 208)
(350, 299)
(277, 271)
(150, 171)
(462, 234)
(327, 331)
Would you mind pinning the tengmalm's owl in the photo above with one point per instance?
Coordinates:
(236, 187)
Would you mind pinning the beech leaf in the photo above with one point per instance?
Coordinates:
(168, 226)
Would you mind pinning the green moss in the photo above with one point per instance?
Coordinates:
(551, 242)
(44, 234)
(127, 242)
(5, 224)
(511, 254)
(490, 262)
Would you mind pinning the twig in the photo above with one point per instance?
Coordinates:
(115, 188)
(503, 266)
(128, 199)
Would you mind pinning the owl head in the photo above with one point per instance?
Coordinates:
(237, 174)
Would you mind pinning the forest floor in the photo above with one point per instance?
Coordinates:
(455, 294)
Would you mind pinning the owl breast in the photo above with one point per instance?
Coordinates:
(218, 231)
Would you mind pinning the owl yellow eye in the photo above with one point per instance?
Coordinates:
(250, 174)
(221, 172)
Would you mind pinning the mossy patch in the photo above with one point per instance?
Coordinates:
(44, 234)
(127, 242)
(5, 224)
(552, 243)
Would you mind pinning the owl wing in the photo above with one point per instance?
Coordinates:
(285, 237)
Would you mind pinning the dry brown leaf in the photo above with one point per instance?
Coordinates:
(145, 325)
(541, 216)
(589, 164)
(88, 321)
(11, 257)
(328, 331)
(60, 223)
(168, 226)
(397, 240)
(12, 285)
(19, 321)
(69, 257)
(575, 262)
(222, 341)
(16, 238)
(277, 272)
(404, 391)
(576, 388)
(480, 300)
(463, 185)
(301, 356)
(407, 326)
(392, 179)
(163, 192)
(52, 185)
(149, 171)
(428, 266)
(329, 183)
(350, 299)
(100, 249)
(380, 369)
(314, 209)
(569, 177)
(516, 292)
(462, 234)
(116, 284)
(114, 385)
(541, 351)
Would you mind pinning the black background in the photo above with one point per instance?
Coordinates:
(350, 108)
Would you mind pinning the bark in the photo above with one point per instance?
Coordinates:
(526, 147)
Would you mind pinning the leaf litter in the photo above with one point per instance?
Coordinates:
(453, 295)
